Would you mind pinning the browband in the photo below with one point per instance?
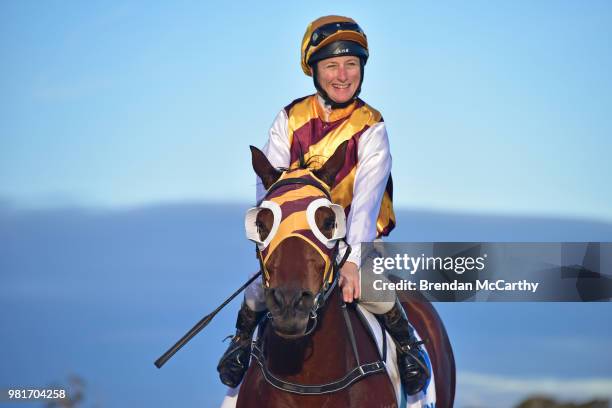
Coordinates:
(304, 181)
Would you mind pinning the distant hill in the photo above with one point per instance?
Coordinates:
(542, 402)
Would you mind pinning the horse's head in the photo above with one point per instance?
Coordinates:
(296, 228)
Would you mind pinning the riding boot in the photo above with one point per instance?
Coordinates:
(413, 369)
(235, 361)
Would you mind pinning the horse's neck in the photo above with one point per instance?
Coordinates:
(325, 351)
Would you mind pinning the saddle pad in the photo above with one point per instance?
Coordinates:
(424, 399)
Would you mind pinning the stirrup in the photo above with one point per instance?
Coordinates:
(413, 370)
(415, 351)
(235, 361)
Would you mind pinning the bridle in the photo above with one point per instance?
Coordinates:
(326, 287)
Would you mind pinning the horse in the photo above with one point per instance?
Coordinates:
(314, 350)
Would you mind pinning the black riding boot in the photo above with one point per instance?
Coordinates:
(410, 359)
(235, 361)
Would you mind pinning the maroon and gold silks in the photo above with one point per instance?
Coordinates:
(316, 139)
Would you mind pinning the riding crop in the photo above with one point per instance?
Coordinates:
(200, 325)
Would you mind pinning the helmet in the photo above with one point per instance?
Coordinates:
(332, 36)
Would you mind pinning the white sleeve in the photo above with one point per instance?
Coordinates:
(373, 170)
(277, 149)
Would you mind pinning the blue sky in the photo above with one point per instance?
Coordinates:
(491, 107)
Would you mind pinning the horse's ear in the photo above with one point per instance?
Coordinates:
(266, 172)
(332, 166)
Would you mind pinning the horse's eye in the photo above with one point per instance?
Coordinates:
(264, 223)
(259, 226)
(330, 223)
(326, 221)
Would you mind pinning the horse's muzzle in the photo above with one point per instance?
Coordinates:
(289, 309)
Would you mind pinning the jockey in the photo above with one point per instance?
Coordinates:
(334, 52)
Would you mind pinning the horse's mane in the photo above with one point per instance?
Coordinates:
(313, 163)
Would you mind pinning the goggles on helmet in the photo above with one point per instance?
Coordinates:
(327, 30)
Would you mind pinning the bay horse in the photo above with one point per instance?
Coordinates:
(314, 350)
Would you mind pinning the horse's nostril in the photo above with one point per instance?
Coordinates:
(278, 297)
(304, 299)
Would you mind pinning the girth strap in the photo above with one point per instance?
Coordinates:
(356, 374)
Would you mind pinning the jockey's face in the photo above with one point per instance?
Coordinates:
(339, 77)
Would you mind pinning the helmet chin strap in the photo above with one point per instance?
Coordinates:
(325, 96)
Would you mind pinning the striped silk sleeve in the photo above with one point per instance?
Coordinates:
(277, 149)
(373, 170)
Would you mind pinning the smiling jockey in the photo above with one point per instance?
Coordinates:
(334, 52)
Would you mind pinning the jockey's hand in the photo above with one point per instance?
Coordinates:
(349, 282)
